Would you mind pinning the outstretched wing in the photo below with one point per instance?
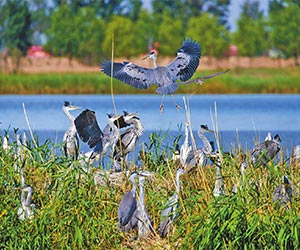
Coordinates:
(187, 60)
(88, 128)
(134, 75)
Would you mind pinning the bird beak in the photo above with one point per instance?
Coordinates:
(75, 107)
(146, 173)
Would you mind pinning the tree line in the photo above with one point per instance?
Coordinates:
(85, 29)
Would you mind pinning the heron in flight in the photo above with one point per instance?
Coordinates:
(167, 78)
(129, 136)
(90, 132)
(170, 213)
(26, 209)
(70, 139)
(265, 151)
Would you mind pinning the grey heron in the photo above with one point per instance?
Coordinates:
(199, 156)
(167, 77)
(145, 224)
(127, 207)
(283, 194)
(26, 209)
(89, 131)
(70, 139)
(129, 137)
(170, 213)
(265, 151)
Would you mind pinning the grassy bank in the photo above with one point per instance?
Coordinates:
(72, 212)
(236, 81)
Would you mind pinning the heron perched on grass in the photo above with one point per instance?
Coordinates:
(26, 209)
(265, 151)
(129, 137)
(168, 78)
(70, 139)
(132, 213)
(145, 224)
(127, 207)
(170, 213)
(283, 194)
(90, 132)
(190, 157)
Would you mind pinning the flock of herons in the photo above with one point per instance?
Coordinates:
(120, 137)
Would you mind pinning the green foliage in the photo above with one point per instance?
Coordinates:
(285, 25)
(251, 36)
(169, 35)
(204, 29)
(73, 212)
(122, 31)
(15, 22)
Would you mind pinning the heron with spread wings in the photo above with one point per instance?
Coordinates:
(167, 78)
(90, 132)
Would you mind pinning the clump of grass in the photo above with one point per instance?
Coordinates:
(75, 213)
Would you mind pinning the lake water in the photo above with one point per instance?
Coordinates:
(248, 116)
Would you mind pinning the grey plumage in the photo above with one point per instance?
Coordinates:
(283, 194)
(128, 138)
(191, 157)
(265, 151)
(127, 208)
(145, 224)
(170, 211)
(26, 209)
(181, 69)
(70, 139)
(90, 132)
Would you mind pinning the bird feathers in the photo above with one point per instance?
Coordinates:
(181, 69)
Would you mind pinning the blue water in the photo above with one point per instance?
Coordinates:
(248, 116)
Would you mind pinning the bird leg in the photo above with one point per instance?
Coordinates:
(161, 107)
(176, 105)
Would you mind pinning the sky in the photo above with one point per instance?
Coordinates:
(234, 10)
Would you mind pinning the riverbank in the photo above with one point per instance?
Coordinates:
(236, 81)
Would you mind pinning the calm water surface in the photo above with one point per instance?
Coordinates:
(249, 116)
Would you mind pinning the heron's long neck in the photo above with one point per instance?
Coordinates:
(177, 183)
(67, 113)
(139, 127)
(186, 140)
(142, 194)
(207, 147)
(154, 61)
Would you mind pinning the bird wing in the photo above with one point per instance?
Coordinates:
(187, 60)
(132, 74)
(88, 128)
(126, 208)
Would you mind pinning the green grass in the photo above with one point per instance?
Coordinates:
(74, 213)
(285, 80)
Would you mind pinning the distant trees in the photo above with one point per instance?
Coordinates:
(214, 37)
(15, 28)
(285, 28)
(251, 35)
(83, 29)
